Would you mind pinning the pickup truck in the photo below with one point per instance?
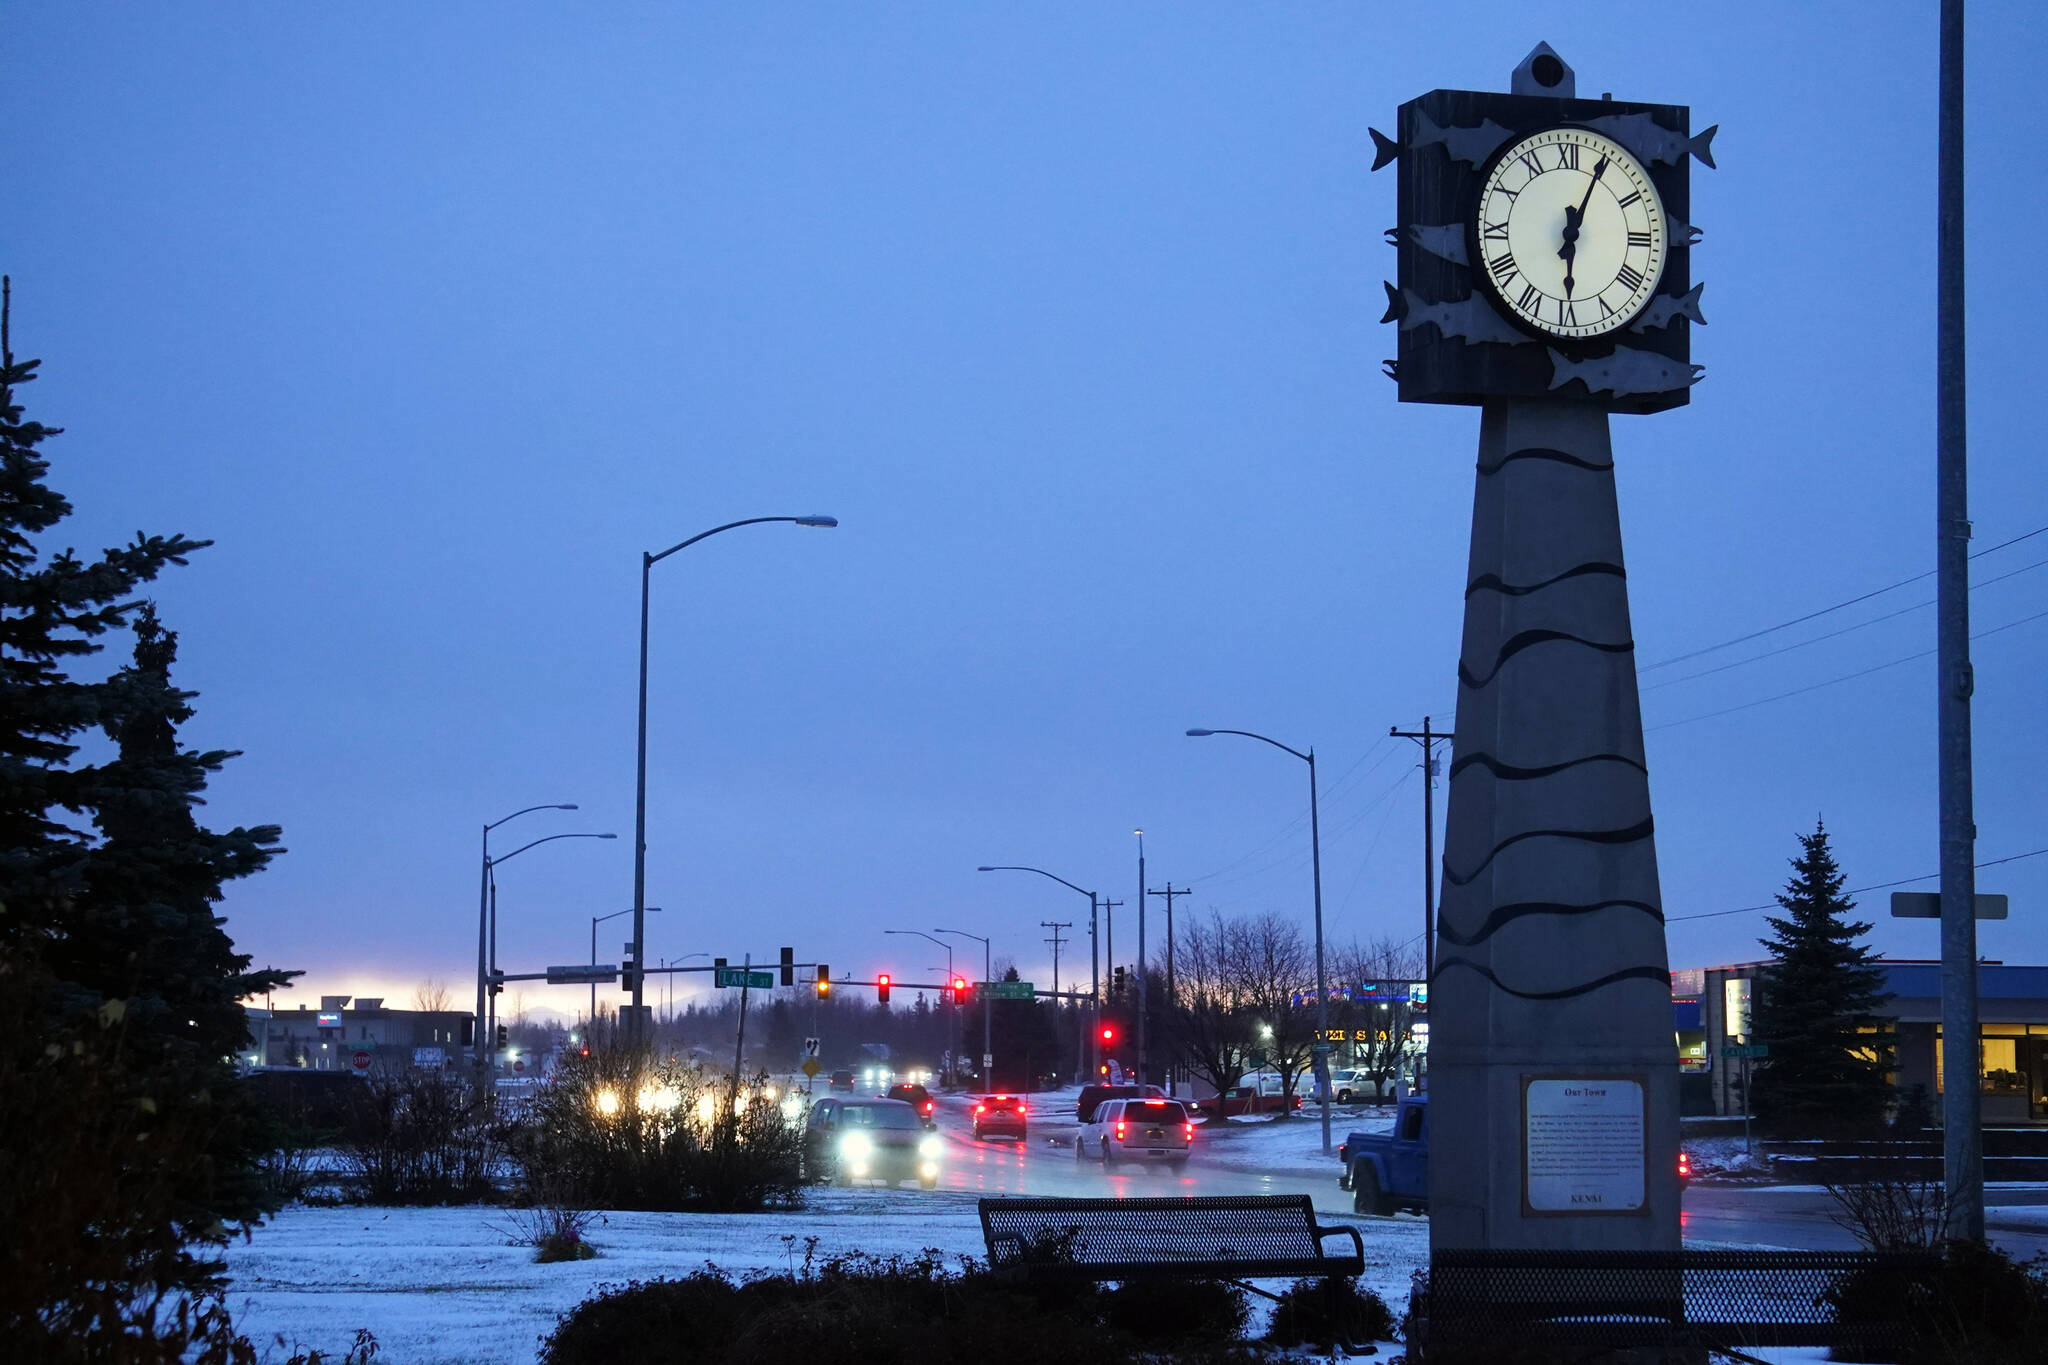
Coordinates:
(1245, 1099)
(1386, 1172)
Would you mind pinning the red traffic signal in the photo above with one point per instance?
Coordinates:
(959, 987)
(1108, 1033)
(882, 989)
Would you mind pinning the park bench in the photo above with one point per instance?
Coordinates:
(1471, 1301)
(1223, 1237)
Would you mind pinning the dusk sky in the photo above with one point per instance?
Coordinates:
(434, 317)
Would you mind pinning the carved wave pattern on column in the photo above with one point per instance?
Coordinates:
(1657, 974)
(1508, 772)
(1642, 829)
(1503, 915)
(1527, 639)
(1544, 453)
(1492, 582)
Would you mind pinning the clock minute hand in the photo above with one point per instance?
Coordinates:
(1573, 217)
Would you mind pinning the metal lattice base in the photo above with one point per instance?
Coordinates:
(1474, 1301)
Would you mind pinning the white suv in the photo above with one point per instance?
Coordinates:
(1137, 1130)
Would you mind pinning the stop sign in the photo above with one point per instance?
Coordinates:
(361, 1061)
(519, 1064)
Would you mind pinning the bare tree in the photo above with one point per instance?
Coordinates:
(431, 997)
(1209, 1032)
(1377, 1032)
(1272, 968)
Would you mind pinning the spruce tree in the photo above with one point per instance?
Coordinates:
(125, 989)
(1817, 1007)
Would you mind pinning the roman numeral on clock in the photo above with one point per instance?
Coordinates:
(1567, 314)
(1496, 232)
(1502, 266)
(1633, 196)
(1528, 300)
(1535, 166)
(1639, 239)
(1630, 278)
(1567, 156)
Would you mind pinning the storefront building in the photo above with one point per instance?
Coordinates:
(1711, 1015)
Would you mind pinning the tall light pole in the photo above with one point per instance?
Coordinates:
(491, 898)
(647, 563)
(483, 921)
(987, 1008)
(596, 920)
(1094, 969)
(953, 1033)
(1141, 956)
(1315, 837)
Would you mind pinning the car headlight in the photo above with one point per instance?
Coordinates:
(855, 1146)
(930, 1146)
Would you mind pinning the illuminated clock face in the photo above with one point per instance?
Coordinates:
(1570, 233)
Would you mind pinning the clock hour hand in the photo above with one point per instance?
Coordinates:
(1573, 217)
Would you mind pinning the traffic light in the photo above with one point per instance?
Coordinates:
(1108, 1034)
(959, 990)
(824, 981)
(789, 966)
(882, 989)
(1116, 982)
(501, 1035)
(626, 972)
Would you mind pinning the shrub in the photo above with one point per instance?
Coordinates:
(1173, 1311)
(1980, 1306)
(1328, 1313)
(853, 1309)
(554, 1231)
(424, 1137)
(623, 1128)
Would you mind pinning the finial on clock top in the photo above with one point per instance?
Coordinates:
(1543, 72)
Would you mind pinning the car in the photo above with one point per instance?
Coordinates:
(841, 1080)
(1361, 1087)
(878, 1139)
(1137, 1130)
(1242, 1099)
(1386, 1172)
(916, 1096)
(1093, 1095)
(1002, 1115)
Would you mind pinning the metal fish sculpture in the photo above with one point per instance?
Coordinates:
(1395, 307)
(1665, 307)
(1625, 372)
(1685, 233)
(1464, 144)
(1384, 149)
(1441, 239)
(1469, 319)
(1645, 136)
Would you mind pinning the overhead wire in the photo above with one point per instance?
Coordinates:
(1852, 891)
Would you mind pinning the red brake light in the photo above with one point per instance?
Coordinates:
(1191, 1132)
(927, 1106)
(1684, 1166)
(1119, 1130)
(980, 1108)
(1021, 1108)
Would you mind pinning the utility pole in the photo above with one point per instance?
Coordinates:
(1142, 1070)
(1055, 941)
(1427, 739)
(1167, 895)
(1962, 1109)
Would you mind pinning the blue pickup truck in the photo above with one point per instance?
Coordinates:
(1386, 1172)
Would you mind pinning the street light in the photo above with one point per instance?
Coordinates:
(987, 1012)
(596, 920)
(491, 898)
(483, 919)
(1315, 837)
(1094, 967)
(647, 563)
(953, 1035)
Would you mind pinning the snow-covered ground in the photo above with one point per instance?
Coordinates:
(441, 1285)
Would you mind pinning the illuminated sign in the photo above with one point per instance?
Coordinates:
(328, 1020)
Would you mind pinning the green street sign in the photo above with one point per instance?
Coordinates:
(740, 976)
(1009, 990)
(1738, 1051)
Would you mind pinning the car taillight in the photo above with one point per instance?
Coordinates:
(981, 1109)
(1191, 1132)
(1020, 1110)
(1119, 1130)
(1684, 1166)
(927, 1106)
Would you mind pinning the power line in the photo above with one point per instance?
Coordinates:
(1830, 682)
(1824, 611)
(1852, 891)
(1836, 634)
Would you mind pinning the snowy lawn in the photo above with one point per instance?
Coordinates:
(441, 1285)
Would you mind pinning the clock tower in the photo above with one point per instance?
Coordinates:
(1545, 277)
